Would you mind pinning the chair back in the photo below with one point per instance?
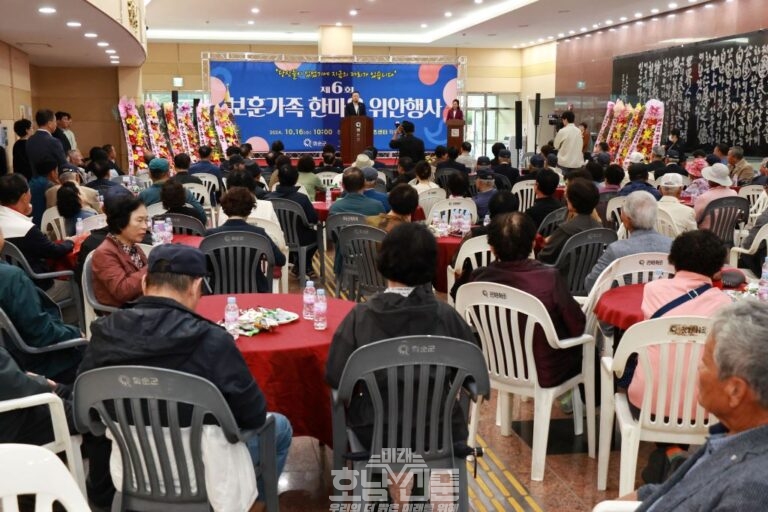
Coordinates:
(413, 382)
(273, 229)
(94, 222)
(185, 225)
(291, 215)
(477, 251)
(236, 259)
(602, 206)
(210, 181)
(155, 209)
(752, 193)
(670, 385)
(442, 176)
(579, 256)
(761, 203)
(90, 304)
(446, 208)
(360, 246)
(52, 224)
(339, 221)
(505, 319)
(32, 470)
(326, 178)
(724, 214)
(147, 248)
(199, 192)
(525, 193)
(552, 220)
(613, 212)
(665, 224)
(138, 405)
(430, 197)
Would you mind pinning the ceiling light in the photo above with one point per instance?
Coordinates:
(588, 35)
(478, 1)
(255, 10)
(531, 42)
(110, 51)
(583, 29)
(353, 12)
(692, 1)
(541, 39)
(74, 24)
(46, 10)
(103, 44)
(671, 15)
(91, 35)
(571, 32)
(424, 25)
(515, 46)
(625, 27)
(550, 38)
(251, 22)
(338, 23)
(611, 30)
(638, 15)
(115, 62)
(639, 23)
(560, 35)
(654, 11)
(114, 57)
(595, 25)
(673, 5)
(623, 18)
(448, 14)
(608, 22)
(709, 6)
(654, 19)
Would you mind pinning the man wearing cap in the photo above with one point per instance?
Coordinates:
(741, 172)
(486, 189)
(482, 162)
(371, 175)
(407, 143)
(504, 167)
(158, 171)
(672, 165)
(535, 164)
(658, 154)
(682, 216)
(355, 201)
(717, 176)
(568, 143)
(162, 329)
(636, 157)
(638, 180)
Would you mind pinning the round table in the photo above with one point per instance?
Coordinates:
(621, 306)
(447, 247)
(289, 362)
(190, 240)
(322, 212)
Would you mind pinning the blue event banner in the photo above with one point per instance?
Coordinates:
(302, 103)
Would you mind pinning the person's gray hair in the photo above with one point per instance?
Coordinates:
(740, 331)
(641, 208)
(669, 191)
(659, 151)
(737, 152)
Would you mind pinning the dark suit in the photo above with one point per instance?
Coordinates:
(62, 137)
(20, 159)
(452, 164)
(349, 109)
(42, 145)
(409, 145)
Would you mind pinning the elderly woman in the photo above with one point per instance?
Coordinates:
(238, 203)
(581, 197)
(70, 206)
(403, 201)
(511, 238)
(174, 197)
(118, 263)
(307, 177)
(423, 174)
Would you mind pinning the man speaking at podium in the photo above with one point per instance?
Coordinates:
(354, 107)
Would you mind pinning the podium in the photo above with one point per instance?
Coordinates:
(455, 133)
(356, 135)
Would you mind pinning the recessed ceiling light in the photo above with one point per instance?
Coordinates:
(251, 22)
(595, 25)
(638, 15)
(623, 18)
(531, 42)
(671, 15)
(424, 25)
(690, 11)
(541, 39)
(46, 10)
(103, 44)
(74, 24)
(353, 12)
(115, 62)
(673, 5)
(571, 32)
(608, 22)
(654, 11)
(110, 51)
(91, 35)
(338, 23)
(611, 30)
(692, 1)
(478, 1)
(448, 14)
(709, 6)
(550, 37)
(639, 23)
(114, 57)
(625, 27)
(583, 29)
(255, 10)
(515, 46)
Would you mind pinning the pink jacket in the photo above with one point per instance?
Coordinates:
(701, 202)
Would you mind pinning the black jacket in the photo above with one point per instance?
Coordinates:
(42, 145)
(542, 207)
(409, 145)
(160, 332)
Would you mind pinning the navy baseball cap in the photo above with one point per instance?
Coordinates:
(177, 259)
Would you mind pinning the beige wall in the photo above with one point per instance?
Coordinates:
(89, 94)
(15, 89)
(538, 76)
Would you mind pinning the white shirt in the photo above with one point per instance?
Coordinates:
(568, 143)
(681, 214)
(467, 160)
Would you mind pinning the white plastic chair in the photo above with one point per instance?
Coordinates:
(94, 222)
(210, 181)
(760, 236)
(52, 224)
(761, 203)
(461, 204)
(479, 254)
(669, 412)
(429, 197)
(665, 224)
(62, 441)
(275, 232)
(200, 193)
(511, 364)
(635, 268)
(90, 304)
(525, 193)
(155, 209)
(752, 193)
(613, 211)
(29, 469)
(327, 178)
(616, 506)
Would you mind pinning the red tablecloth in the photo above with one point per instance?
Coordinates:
(447, 247)
(289, 363)
(559, 193)
(190, 240)
(621, 306)
(320, 194)
(322, 212)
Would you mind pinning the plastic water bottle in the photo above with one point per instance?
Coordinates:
(168, 235)
(79, 227)
(321, 310)
(486, 219)
(231, 315)
(328, 197)
(158, 233)
(436, 220)
(309, 301)
(762, 287)
(466, 223)
(454, 222)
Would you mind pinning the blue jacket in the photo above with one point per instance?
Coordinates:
(379, 196)
(357, 203)
(634, 186)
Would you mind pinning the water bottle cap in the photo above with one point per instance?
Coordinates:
(321, 292)
(231, 300)
(310, 283)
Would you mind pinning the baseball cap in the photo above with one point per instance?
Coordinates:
(505, 153)
(636, 157)
(158, 165)
(671, 179)
(370, 174)
(483, 160)
(362, 161)
(177, 259)
(485, 174)
(717, 173)
(552, 159)
(537, 161)
(673, 154)
(603, 159)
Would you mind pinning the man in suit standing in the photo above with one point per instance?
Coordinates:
(62, 131)
(355, 107)
(42, 145)
(407, 143)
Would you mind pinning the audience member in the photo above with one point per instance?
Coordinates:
(581, 197)
(597, 173)
(658, 161)
(458, 185)
(682, 216)
(695, 166)
(307, 177)
(741, 172)
(545, 201)
(638, 180)
(486, 189)
(174, 199)
(465, 158)
(504, 167)
(495, 149)
(614, 175)
(403, 200)
(371, 176)
(424, 177)
(158, 171)
(112, 158)
(407, 143)
(719, 183)
(70, 207)
(355, 201)
(181, 164)
(638, 216)
(63, 121)
(89, 196)
(46, 176)
(204, 165)
(99, 169)
(21, 165)
(672, 165)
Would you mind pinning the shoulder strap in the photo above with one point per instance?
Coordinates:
(663, 310)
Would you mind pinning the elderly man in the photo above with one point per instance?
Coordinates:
(486, 189)
(638, 180)
(740, 171)
(639, 219)
(682, 216)
(728, 472)
(371, 175)
(355, 201)
(657, 163)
